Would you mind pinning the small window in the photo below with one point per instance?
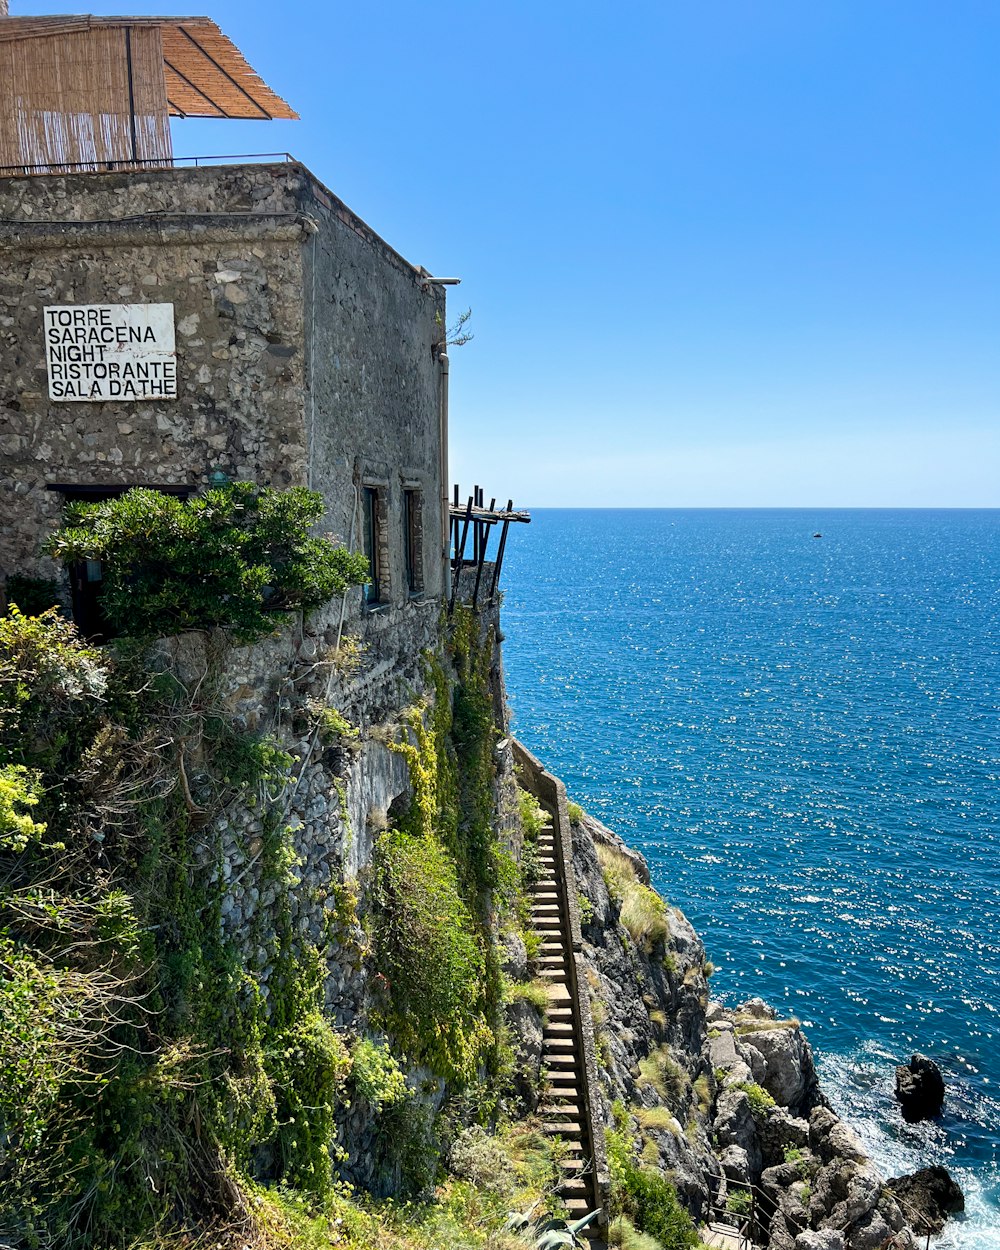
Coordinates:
(86, 576)
(413, 534)
(373, 512)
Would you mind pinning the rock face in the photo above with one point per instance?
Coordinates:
(920, 1089)
(932, 1194)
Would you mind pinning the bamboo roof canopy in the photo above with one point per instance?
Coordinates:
(94, 92)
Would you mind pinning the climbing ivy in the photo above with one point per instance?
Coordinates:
(440, 874)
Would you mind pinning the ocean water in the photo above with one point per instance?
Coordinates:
(802, 735)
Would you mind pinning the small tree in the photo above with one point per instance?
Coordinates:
(232, 557)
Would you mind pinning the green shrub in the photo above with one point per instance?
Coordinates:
(33, 595)
(376, 1075)
(52, 686)
(740, 1202)
(232, 557)
(334, 725)
(585, 908)
(576, 813)
(760, 1100)
(20, 789)
(308, 1065)
(642, 1195)
(532, 815)
(480, 1158)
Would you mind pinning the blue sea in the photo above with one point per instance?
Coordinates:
(795, 716)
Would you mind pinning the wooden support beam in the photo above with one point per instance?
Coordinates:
(500, 550)
(459, 557)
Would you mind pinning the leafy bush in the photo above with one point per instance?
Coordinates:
(740, 1202)
(376, 1075)
(20, 789)
(308, 1064)
(532, 815)
(232, 557)
(760, 1100)
(33, 595)
(478, 1157)
(51, 684)
(642, 1195)
(576, 812)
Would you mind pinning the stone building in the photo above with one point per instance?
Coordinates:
(300, 349)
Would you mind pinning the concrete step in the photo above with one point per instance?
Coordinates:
(577, 1209)
(559, 1045)
(576, 1187)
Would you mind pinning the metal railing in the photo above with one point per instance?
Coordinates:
(159, 162)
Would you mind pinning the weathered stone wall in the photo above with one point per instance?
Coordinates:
(337, 803)
(374, 385)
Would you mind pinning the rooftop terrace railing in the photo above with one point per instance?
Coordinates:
(175, 162)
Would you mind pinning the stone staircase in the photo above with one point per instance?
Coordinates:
(563, 1102)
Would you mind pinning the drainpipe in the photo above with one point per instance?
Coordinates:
(445, 493)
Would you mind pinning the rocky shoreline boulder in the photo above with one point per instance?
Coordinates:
(920, 1089)
(931, 1195)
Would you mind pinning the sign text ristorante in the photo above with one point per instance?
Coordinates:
(99, 352)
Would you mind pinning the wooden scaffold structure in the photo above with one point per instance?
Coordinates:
(475, 516)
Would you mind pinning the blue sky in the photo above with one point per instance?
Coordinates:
(720, 254)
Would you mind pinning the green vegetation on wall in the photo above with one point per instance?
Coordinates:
(231, 557)
(143, 1076)
(441, 873)
(642, 1199)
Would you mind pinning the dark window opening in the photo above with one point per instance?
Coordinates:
(372, 507)
(87, 576)
(413, 540)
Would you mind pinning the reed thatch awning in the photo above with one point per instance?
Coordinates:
(204, 73)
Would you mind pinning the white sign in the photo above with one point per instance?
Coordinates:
(98, 352)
